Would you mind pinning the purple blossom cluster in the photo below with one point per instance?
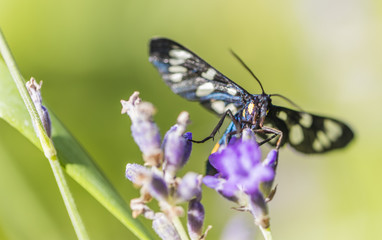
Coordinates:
(242, 175)
(157, 178)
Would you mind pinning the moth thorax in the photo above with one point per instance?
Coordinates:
(251, 113)
(261, 103)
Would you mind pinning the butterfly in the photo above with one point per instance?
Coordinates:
(192, 78)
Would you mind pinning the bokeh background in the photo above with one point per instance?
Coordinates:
(326, 55)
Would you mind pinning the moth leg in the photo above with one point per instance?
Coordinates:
(275, 132)
(220, 123)
(268, 139)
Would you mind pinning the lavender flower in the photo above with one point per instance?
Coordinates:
(164, 228)
(190, 187)
(266, 186)
(145, 132)
(239, 164)
(240, 173)
(133, 172)
(195, 219)
(177, 146)
(158, 180)
(35, 93)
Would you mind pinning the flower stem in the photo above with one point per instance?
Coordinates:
(46, 142)
(74, 215)
(266, 233)
(179, 228)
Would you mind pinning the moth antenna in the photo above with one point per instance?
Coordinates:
(288, 100)
(246, 67)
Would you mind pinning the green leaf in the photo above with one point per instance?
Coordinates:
(76, 162)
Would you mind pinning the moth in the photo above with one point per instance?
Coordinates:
(192, 78)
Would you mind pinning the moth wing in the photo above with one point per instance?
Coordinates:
(309, 133)
(192, 78)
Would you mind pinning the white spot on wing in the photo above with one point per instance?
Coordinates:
(218, 107)
(175, 77)
(282, 115)
(181, 54)
(231, 91)
(177, 69)
(332, 129)
(204, 89)
(210, 74)
(176, 61)
(306, 120)
(324, 140)
(296, 135)
(317, 146)
(231, 107)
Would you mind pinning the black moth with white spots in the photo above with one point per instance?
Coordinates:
(192, 78)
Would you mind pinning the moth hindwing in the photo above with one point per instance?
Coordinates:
(192, 78)
(309, 133)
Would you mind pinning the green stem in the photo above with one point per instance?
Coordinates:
(46, 142)
(266, 233)
(179, 228)
(74, 215)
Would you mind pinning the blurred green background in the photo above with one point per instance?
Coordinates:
(324, 55)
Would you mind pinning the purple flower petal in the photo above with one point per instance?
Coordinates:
(177, 146)
(229, 189)
(144, 131)
(259, 209)
(154, 183)
(177, 149)
(45, 119)
(212, 182)
(190, 187)
(258, 174)
(132, 171)
(239, 169)
(272, 159)
(158, 188)
(146, 135)
(34, 90)
(164, 228)
(248, 134)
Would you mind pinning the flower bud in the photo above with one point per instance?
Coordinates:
(195, 219)
(158, 188)
(35, 93)
(259, 209)
(163, 227)
(133, 170)
(271, 161)
(190, 187)
(145, 132)
(177, 146)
